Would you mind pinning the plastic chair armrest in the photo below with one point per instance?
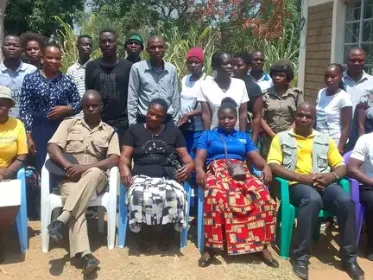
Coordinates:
(345, 184)
(284, 189)
(187, 186)
(45, 190)
(21, 174)
(354, 190)
(113, 180)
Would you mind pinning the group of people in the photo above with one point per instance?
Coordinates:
(217, 131)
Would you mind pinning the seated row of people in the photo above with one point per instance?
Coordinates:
(239, 213)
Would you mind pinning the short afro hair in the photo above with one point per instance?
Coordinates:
(108, 30)
(283, 66)
(216, 58)
(52, 44)
(245, 56)
(83, 36)
(31, 36)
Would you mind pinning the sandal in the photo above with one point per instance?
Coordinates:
(203, 261)
(268, 259)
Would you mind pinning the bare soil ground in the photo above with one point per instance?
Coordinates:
(129, 263)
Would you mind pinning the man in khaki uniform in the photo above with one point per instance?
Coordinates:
(95, 146)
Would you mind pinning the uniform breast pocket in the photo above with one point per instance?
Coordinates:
(100, 146)
(271, 104)
(74, 143)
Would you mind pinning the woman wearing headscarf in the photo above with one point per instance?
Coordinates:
(190, 122)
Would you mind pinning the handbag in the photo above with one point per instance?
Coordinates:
(235, 169)
(173, 164)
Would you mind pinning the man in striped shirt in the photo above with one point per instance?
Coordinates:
(77, 70)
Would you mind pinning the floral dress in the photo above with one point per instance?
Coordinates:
(38, 96)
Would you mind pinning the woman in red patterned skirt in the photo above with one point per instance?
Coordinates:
(239, 213)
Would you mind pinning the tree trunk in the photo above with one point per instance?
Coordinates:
(2, 16)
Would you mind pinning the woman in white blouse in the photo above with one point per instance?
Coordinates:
(213, 91)
(190, 123)
(334, 107)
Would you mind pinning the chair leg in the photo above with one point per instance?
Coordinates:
(286, 232)
(123, 217)
(360, 220)
(184, 233)
(21, 222)
(111, 223)
(200, 229)
(46, 214)
(101, 221)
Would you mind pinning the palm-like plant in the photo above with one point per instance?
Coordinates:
(67, 37)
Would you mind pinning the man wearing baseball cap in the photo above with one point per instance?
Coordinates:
(134, 46)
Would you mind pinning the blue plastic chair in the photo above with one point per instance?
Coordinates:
(20, 224)
(200, 229)
(123, 217)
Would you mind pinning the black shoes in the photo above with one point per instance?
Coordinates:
(56, 230)
(271, 262)
(300, 269)
(354, 271)
(369, 254)
(89, 264)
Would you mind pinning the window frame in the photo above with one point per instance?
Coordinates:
(360, 43)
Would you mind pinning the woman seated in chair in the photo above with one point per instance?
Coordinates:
(13, 150)
(155, 193)
(239, 213)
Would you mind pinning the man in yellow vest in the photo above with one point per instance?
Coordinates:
(310, 161)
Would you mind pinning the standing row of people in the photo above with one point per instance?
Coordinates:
(146, 95)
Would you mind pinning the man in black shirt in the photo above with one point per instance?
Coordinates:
(109, 75)
(241, 65)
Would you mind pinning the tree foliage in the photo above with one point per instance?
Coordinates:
(35, 15)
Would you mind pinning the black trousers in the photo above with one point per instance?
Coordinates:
(333, 199)
(366, 199)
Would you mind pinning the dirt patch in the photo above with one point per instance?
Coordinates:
(128, 263)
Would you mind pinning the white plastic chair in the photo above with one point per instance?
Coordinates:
(108, 200)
